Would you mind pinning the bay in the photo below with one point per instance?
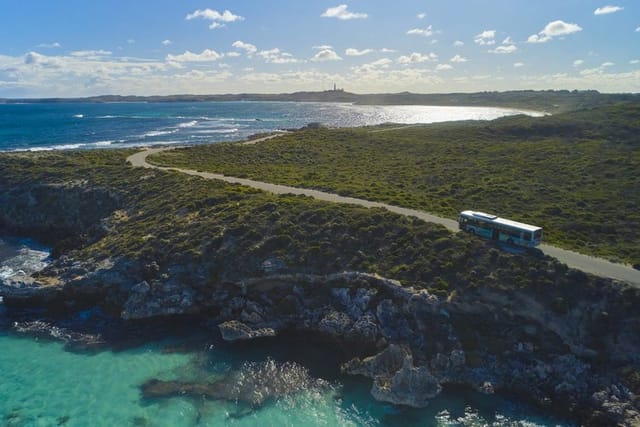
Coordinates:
(59, 126)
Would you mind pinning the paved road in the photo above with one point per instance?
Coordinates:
(588, 264)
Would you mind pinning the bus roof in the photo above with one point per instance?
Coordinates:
(497, 220)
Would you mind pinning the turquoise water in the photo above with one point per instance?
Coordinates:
(46, 384)
(84, 125)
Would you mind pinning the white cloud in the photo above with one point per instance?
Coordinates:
(326, 55)
(518, 65)
(422, 15)
(426, 32)
(341, 12)
(486, 37)
(444, 67)
(166, 42)
(276, 56)
(634, 61)
(554, 29)
(356, 52)
(416, 58)
(217, 19)
(131, 41)
(578, 62)
(323, 47)
(248, 47)
(504, 49)
(638, 30)
(387, 50)
(508, 40)
(605, 10)
(233, 54)
(49, 45)
(90, 53)
(458, 58)
(458, 43)
(206, 55)
(608, 64)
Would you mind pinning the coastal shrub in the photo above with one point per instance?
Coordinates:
(575, 174)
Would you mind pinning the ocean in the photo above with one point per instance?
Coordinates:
(59, 126)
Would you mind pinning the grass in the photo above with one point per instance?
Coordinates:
(574, 174)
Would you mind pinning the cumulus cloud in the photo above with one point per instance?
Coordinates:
(634, 61)
(387, 50)
(416, 58)
(166, 42)
(247, 47)
(486, 37)
(508, 40)
(578, 62)
(554, 29)
(638, 30)
(518, 65)
(342, 12)
(444, 67)
(206, 55)
(326, 55)
(426, 32)
(605, 10)
(276, 56)
(458, 43)
(356, 52)
(504, 49)
(608, 64)
(458, 58)
(422, 15)
(217, 19)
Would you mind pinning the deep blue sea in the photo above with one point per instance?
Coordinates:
(42, 126)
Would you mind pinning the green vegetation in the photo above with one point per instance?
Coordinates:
(207, 232)
(575, 174)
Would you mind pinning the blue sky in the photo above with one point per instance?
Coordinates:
(79, 48)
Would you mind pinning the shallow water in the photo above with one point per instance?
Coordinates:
(47, 381)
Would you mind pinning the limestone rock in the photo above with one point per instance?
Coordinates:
(386, 362)
(410, 386)
(238, 331)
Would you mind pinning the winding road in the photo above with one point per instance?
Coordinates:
(588, 264)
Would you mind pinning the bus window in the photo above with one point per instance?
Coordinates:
(527, 235)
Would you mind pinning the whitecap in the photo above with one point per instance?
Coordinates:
(158, 133)
(188, 124)
(78, 116)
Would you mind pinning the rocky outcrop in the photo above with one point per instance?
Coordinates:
(234, 330)
(66, 214)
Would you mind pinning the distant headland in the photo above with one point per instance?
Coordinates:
(548, 100)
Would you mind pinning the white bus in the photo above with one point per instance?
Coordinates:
(500, 229)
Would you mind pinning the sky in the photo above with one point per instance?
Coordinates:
(71, 48)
